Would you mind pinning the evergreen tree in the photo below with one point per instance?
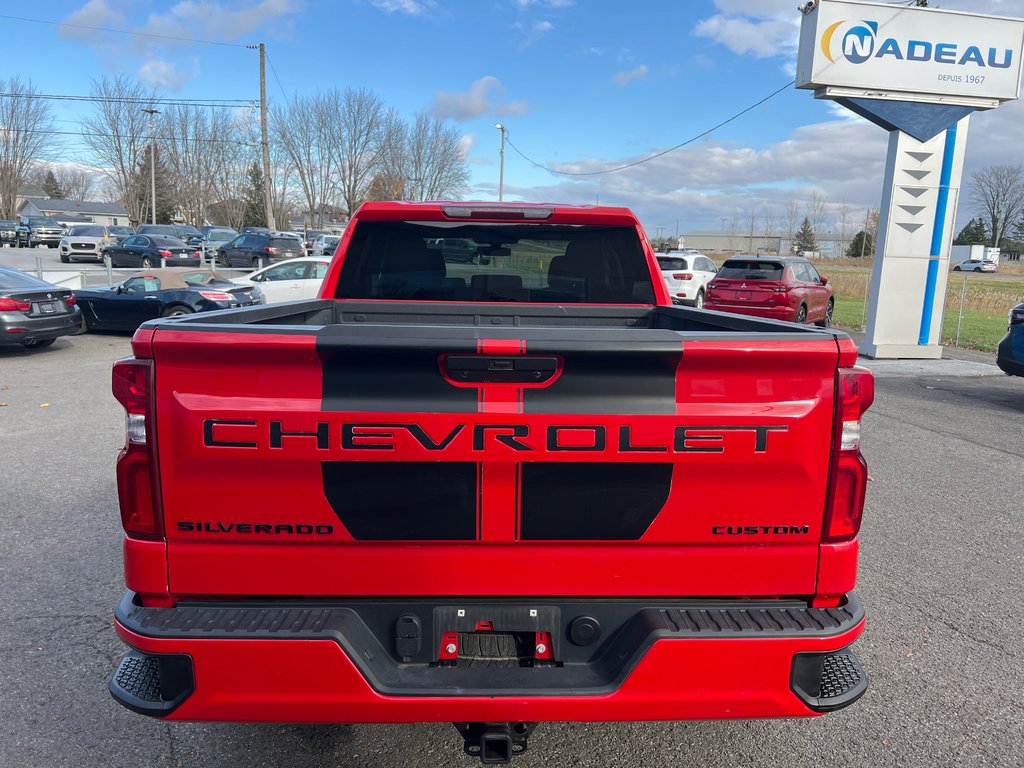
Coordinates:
(166, 203)
(255, 207)
(973, 233)
(805, 237)
(861, 245)
(52, 187)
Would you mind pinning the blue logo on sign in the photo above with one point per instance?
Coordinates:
(859, 42)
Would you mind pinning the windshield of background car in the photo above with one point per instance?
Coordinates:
(19, 280)
(672, 262)
(43, 223)
(167, 242)
(221, 235)
(156, 229)
(739, 269)
(5, 224)
(122, 230)
(509, 262)
(86, 232)
(284, 243)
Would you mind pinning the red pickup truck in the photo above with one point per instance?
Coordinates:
(508, 488)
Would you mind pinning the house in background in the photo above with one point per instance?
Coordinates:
(71, 211)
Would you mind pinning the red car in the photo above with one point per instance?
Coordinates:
(779, 288)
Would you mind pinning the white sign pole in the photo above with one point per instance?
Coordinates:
(915, 232)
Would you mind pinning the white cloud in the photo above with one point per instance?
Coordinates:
(157, 41)
(163, 74)
(410, 7)
(623, 78)
(533, 32)
(482, 99)
(760, 33)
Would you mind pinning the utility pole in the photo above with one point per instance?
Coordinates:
(864, 235)
(501, 173)
(267, 201)
(152, 163)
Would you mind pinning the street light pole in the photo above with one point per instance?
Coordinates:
(501, 177)
(152, 163)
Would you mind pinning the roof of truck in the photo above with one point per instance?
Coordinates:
(488, 210)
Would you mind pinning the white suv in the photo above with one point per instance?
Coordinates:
(975, 265)
(687, 276)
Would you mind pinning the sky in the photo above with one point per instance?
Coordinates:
(581, 85)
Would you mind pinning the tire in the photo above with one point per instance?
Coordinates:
(956, 268)
(65, 259)
(147, 263)
(977, 269)
(801, 314)
(698, 302)
(177, 311)
(826, 321)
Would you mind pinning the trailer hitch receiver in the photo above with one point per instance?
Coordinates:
(494, 743)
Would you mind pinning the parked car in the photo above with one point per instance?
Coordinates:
(40, 230)
(290, 280)
(117, 234)
(84, 241)
(253, 250)
(457, 250)
(166, 230)
(776, 287)
(254, 231)
(975, 265)
(146, 251)
(310, 237)
(189, 234)
(686, 276)
(1010, 352)
(34, 313)
(325, 244)
(161, 293)
(9, 232)
(215, 237)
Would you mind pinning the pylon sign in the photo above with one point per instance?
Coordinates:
(919, 73)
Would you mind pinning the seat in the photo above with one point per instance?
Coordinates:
(409, 267)
(498, 288)
(582, 270)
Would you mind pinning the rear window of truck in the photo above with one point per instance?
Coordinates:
(541, 263)
(751, 270)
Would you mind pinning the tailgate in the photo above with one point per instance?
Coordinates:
(388, 460)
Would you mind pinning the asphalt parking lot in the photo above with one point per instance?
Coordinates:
(941, 569)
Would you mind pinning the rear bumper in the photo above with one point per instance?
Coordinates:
(329, 662)
(15, 328)
(781, 312)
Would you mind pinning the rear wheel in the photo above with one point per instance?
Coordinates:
(977, 269)
(177, 311)
(956, 269)
(826, 321)
(147, 262)
(801, 314)
(699, 301)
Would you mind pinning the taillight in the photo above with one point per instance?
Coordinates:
(216, 295)
(13, 305)
(1016, 315)
(496, 212)
(165, 254)
(268, 249)
(782, 288)
(132, 385)
(844, 503)
(682, 276)
(197, 255)
(70, 300)
(712, 285)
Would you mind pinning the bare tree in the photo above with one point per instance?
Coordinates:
(874, 216)
(751, 230)
(792, 220)
(78, 183)
(998, 190)
(769, 225)
(425, 160)
(118, 135)
(817, 212)
(307, 129)
(360, 144)
(196, 145)
(26, 124)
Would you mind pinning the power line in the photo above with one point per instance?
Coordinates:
(121, 137)
(701, 135)
(121, 31)
(274, 70)
(163, 101)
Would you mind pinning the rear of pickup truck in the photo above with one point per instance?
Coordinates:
(518, 488)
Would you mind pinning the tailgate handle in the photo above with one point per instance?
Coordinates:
(524, 369)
